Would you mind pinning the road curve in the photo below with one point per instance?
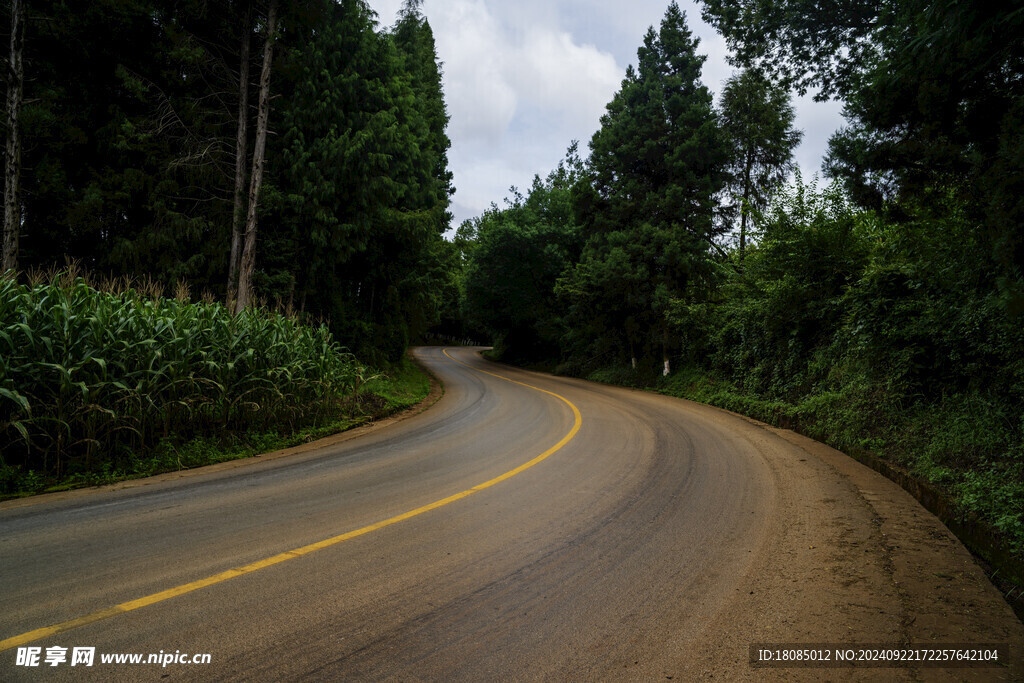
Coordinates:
(658, 540)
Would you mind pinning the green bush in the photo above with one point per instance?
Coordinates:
(872, 331)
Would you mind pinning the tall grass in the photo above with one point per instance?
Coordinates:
(89, 377)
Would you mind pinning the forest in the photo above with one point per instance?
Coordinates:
(880, 309)
(289, 159)
(290, 151)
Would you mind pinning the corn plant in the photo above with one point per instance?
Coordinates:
(87, 377)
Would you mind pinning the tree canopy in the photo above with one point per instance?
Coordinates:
(932, 94)
(647, 207)
(758, 120)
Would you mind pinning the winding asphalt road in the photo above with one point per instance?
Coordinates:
(524, 527)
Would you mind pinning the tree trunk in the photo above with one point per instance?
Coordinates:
(12, 165)
(664, 350)
(241, 145)
(245, 295)
(745, 206)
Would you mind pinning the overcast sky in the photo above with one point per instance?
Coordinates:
(524, 79)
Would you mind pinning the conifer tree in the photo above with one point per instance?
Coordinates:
(365, 183)
(758, 119)
(415, 41)
(657, 163)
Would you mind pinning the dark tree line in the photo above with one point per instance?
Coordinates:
(257, 149)
(674, 188)
(646, 219)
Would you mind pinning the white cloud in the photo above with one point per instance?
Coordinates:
(481, 100)
(524, 79)
(501, 81)
(557, 75)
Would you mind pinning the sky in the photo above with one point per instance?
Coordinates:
(523, 79)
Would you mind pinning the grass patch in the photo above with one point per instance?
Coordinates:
(403, 386)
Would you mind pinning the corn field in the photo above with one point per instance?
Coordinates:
(88, 376)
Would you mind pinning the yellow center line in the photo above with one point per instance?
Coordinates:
(131, 605)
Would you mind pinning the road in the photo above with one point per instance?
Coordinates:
(524, 527)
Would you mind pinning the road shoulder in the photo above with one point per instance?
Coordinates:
(856, 559)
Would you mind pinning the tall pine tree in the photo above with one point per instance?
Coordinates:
(758, 119)
(657, 163)
(362, 200)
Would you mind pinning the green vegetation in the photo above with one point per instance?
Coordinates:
(846, 325)
(96, 386)
(139, 160)
(405, 384)
(255, 151)
(647, 205)
(881, 313)
(517, 255)
(933, 97)
(758, 120)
